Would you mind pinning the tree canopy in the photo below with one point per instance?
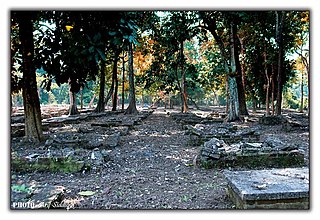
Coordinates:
(233, 58)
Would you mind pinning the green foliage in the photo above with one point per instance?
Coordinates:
(21, 188)
(70, 44)
(290, 100)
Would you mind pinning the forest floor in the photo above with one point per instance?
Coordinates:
(151, 167)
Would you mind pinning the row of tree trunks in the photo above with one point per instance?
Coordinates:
(33, 126)
(113, 92)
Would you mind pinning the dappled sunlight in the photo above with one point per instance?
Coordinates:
(132, 109)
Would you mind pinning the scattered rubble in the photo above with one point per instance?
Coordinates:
(229, 133)
(151, 164)
(272, 120)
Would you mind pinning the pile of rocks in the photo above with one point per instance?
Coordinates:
(186, 118)
(270, 153)
(74, 147)
(193, 119)
(272, 120)
(201, 133)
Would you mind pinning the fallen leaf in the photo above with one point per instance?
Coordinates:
(261, 187)
(86, 193)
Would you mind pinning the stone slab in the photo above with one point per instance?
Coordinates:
(286, 188)
(44, 164)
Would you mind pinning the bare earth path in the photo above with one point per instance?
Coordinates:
(152, 168)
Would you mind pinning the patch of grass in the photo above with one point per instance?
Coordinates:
(65, 165)
(185, 198)
(21, 188)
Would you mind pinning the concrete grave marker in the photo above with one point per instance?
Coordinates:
(269, 189)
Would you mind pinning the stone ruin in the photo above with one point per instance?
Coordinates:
(84, 148)
(229, 133)
(228, 145)
(280, 181)
(288, 123)
(270, 153)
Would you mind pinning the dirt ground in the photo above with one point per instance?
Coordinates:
(152, 167)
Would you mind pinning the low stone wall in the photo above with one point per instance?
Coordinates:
(51, 164)
(215, 153)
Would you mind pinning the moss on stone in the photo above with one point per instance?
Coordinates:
(51, 164)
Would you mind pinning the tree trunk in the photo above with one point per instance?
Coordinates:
(279, 27)
(115, 79)
(101, 102)
(306, 64)
(242, 64)
(81, 97)
(268, 81)
(184, 95)
(254, 104)
(272, 88)
(132, 108)
(142, 99)
(212, 27)
(267, 97)
(106, 100)
(123, 80)
(227, 91)
(73, 110)
(272, 95)
(194, 103)
(309, 100)
(91, 101)
(169, 100)
(233, 113)
(301, 86)
(240, 76)
(31, 103)
(241, 95)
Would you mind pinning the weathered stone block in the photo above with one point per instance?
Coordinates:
(282, 188)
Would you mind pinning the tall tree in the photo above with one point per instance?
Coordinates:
(134, 22)
(234, 112)
(280, 19)
(132, 108)
(229, 56)
(32, 112)
(115, 79)
(101, 101)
